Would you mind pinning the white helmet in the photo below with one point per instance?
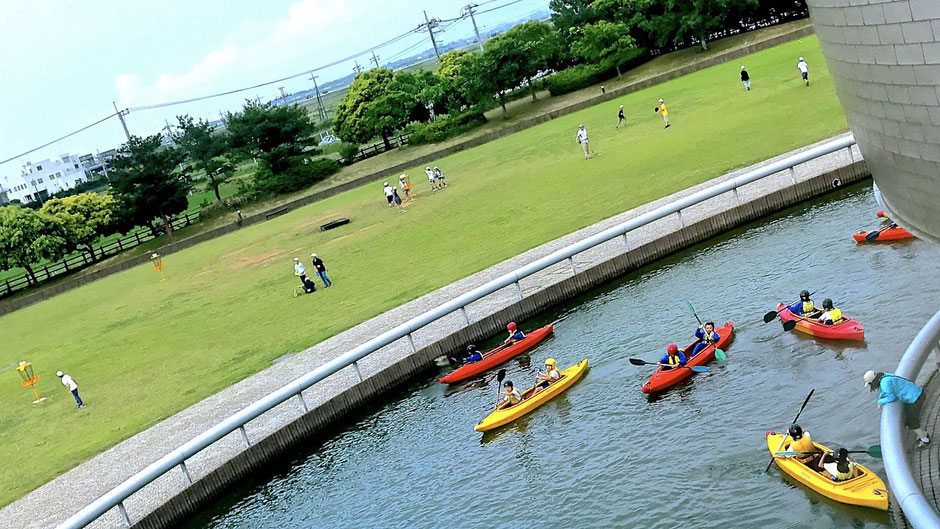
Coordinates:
(313, 255)
(742, 66)
(868, 377)
(59, 374)
(621, 106)
(801, 58)
(386, 184)
(660, 100)
(296, 259)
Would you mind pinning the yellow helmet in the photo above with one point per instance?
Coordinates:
(550, 362)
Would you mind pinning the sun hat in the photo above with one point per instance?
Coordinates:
(868, 377)
(313, 255)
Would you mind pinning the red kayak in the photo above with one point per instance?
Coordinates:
(889, 234)
(847, 329)
(499, 355)
(666, 377)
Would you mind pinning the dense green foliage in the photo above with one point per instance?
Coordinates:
(83, 218)
(445, 126)
(28, 237)
(206, 150)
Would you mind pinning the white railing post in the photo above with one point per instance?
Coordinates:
(241, 430)
(519, 291)
(303, 403)
(358, 373)
(681, 222)
(574, 271)
(411, 342)
(124, 516)
(626, 242)
(792, 174)
(189, 479)
(737, 200)
(466, 318)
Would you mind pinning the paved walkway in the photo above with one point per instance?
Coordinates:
(926, 463)
(63, 496)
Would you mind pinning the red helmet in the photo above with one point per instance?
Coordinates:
(672, 348)
(511, 326)
(880, 214)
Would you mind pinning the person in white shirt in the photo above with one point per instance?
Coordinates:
(430, 173)
(68, 382)
(439, 176)
(389, 194)
(301, 272)
(403, 184)
(804, 70)
(583, 140)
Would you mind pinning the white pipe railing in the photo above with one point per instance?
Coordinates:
(919, 512)
(177, 458)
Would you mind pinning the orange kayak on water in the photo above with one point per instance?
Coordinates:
(666, 377)
(890, 234)
(847, 329)
(498, 356)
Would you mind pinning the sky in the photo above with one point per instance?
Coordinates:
(63, 63)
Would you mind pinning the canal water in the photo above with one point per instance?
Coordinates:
(603, 454)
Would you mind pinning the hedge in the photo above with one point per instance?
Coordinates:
(446, 126)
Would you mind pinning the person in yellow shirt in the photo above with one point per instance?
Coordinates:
(661, 109)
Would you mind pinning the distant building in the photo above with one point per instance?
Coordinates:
(41, 179)
(97, 166)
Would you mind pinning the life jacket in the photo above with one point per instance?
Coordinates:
(807, 307)
(554, 374)
(709, 336)
(835, 315)
(803, 444)
(673, 360)
(514, 397)
(842, 476)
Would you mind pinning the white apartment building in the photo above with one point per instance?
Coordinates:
(38, 180)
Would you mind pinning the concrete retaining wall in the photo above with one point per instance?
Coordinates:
(316, 422)
(23, 300)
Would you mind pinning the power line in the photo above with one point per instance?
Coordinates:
(58, 139)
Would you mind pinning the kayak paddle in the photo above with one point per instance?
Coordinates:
(873, 451)
(638, 362)
(805, 402)
(719, 354)
(499, 380)
(873, 235)
(789, 325)
(772, 315)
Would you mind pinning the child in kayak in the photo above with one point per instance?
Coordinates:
(800, 442)
(830, 315)
(514, 333)
(673, 357)
(473, 355)
(706, 336)
(551, 375)
(804, 307)
(509, 397)
(839, 469)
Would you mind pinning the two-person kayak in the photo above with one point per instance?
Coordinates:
(530, 400)
(864, 489)
(499, 355)
(665, 377)
(847, 329)
(895, 233)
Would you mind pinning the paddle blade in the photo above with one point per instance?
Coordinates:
(770, 316)
(789, 325)
(691, 308)
(500, 376)
(874, 451)
(720, 355)
(638, 362)
(872, 235)
(699, 369)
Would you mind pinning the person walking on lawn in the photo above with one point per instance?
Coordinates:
(620, 118)
(745, 78)
(320, 267)
(583, 140)
(69, 382)
(661, 109)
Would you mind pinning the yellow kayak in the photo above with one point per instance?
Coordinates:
(529, 402)
(865, 489)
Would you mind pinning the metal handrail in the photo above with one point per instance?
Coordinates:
(919, 512)
(237, 421)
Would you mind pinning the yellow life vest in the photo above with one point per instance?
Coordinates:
(554, 374)
(514, 397)
(803, 444)
(709, 336)
(835, 315)
(673, 360)
(807, 307)
(842, 476)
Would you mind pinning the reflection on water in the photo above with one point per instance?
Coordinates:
(602, 454)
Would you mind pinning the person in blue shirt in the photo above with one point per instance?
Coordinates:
(473, 354)
(706, 335)
(804, 307)
(891, 388)
(514, 333)
(673, 357)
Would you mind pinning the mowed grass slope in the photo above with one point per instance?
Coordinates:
(142, 350)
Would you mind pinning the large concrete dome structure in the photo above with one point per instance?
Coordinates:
(884, 56)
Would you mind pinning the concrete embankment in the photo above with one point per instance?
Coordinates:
(172, 498)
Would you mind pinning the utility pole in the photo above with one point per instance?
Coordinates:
(320, 108)
(375, 59)
(120, 115)
(469, 9)
(357, 68)
(431, 24)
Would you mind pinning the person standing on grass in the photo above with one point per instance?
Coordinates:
(430, 173)
(745, 78)
(403, 183)
(583, 140)
(389, 194)
(301, 272)
(890, 388)
(439, 176)
(620, 118)
(661, 109)
(397, 199)
(68, 382)
(320, 267)
(804, 70)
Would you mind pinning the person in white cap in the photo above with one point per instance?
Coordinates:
(403, 184)
(69, 382)
(583, 140)
(389, 194)
(890, 388)
(804, 70)
(661, 109)
(320, 267)
(430, 174)
(620, 118)
(439, 176)
(745, 78)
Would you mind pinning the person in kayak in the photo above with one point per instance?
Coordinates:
(892, 388)
(839, 469)
(830, 315)
(673, 357)
(514, 333)
(551, 375)
(800, 442)
(706, 336)
(473, 354)
(804, 307)
(510, 396)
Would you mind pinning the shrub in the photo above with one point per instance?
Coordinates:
(576, 78)
(297, 176)
(348, 152)
(446, 126)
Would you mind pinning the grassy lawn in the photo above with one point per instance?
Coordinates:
(142, 350)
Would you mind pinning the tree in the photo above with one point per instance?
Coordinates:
(146, 182)
(27, 238)
(83, 219)
(605, 41)
(517, 55)
(281, 136)
(679, 20)
(467, 80)
(373, 107)
(568, 15)
(205, 149)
